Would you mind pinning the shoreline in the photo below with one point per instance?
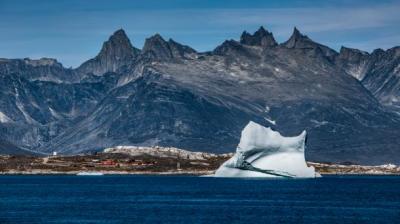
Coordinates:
(163, 173)
(157, 161)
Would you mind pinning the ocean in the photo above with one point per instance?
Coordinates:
(190, 199)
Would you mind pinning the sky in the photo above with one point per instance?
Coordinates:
(73, 31)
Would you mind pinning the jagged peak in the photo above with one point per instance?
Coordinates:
(394, 50)
(300, 41)
(228, 46)
(230, 42)
(346, 50)
(120, 33)
(297, 33)
(155, 41)
(159, 48)
(155, 38)
(262, 31)
(116, 52)
(118, 36)
(118, 40)
(260, 38)
(378, 51)
(172, 41)
(173, 44)
(296, 37)
(42, 62)
(244, 33)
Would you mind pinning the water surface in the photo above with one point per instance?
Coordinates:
(188, 199)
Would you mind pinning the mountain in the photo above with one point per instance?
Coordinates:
(260, 38)
(303, 42)
(379, 72)
(168, 94)
(157, 48)
(116, 53)
(44, 69)
(33, 112)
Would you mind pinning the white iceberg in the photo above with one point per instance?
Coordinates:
(263, 152)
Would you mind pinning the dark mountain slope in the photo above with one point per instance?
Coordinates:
(44, 69)
(34, 112)
(379, 72)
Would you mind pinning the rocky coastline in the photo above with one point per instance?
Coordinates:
(135, 160)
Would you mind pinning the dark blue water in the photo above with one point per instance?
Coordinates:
(185, 199)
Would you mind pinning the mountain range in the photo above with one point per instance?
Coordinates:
(168, 94)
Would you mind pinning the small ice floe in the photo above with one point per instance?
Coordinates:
(90, 174)
(263, 152)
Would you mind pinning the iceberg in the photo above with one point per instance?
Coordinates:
(263, 152)
(90, 173)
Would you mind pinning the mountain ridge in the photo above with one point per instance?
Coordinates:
(168, 94)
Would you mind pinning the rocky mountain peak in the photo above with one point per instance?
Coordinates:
(179, 50)
(156, 47)
(351, 53)
(301, 41)
(297, 40)
(160, 49)
(229, 47)
(262, 30)
(155, 42)
(118, 46)
(260, 38)
(378, 52)
(396, 50)
(120, 36)
(296, 33)
(116, 52)
(353, 61)
(42, 62)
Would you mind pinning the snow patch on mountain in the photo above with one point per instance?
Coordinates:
(4, 118)
(21, 108)
(270, 121)
(318, 123)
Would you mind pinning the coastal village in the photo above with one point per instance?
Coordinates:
(136, 160)
(153, 160)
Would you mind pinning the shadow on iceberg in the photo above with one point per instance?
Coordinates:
(263, 152)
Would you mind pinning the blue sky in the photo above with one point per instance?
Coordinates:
(73, 31)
